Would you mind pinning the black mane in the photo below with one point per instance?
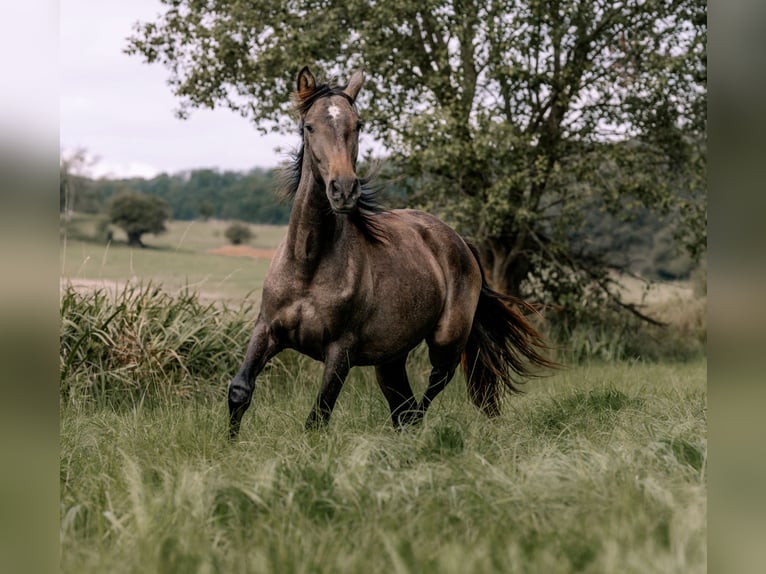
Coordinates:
(368, 205)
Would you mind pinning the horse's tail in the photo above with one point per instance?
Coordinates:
(503, 348)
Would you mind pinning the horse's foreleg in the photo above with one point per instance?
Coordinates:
(336, 368)
(395, 385)
(261, 348)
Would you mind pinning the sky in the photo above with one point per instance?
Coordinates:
(121, 110)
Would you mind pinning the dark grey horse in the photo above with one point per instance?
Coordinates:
(351, 286)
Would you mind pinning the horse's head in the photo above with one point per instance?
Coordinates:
(331, 127)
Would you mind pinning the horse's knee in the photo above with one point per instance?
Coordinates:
(240, 394)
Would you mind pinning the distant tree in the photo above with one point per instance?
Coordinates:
(238, 233)
(137, 213)
(206, 209)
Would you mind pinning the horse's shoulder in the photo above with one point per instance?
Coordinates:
(416, 219)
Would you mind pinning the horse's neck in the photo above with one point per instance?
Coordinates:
(313, 228)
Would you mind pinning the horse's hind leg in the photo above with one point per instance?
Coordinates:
(261, 348)
(437, 380)
(444, 349)
(393, 381)
(448, 340)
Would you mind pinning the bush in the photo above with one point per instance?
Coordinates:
(238, 233)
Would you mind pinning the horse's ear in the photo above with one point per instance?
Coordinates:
(354, 84)
(306, 83)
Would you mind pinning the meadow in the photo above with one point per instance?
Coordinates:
(180, 259)
(600, 467)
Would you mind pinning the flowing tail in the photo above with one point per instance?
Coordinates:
(503, 348)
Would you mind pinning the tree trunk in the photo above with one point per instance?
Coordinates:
(134, 239)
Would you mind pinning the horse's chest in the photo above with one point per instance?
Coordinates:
(307, 317)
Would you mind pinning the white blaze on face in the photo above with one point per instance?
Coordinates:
(334, 112)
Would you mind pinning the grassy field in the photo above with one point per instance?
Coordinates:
(177, 259)
(597, 469)
(600, 467)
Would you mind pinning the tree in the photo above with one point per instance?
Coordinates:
(137, 213)
(513, 119)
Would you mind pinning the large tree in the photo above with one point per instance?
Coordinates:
(137, 214)
(520, 120)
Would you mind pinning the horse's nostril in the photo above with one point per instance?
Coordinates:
(343, 188)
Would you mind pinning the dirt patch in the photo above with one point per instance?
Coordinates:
(243, 251)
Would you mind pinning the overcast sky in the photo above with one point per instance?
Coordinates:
(122, 110)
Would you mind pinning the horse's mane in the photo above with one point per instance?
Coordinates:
(368, 205)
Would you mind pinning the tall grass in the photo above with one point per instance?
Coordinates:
(599, 468)
(140, 340)
(617, 336)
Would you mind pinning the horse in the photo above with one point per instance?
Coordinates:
(353, 284)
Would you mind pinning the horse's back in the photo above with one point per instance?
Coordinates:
(431, 235)
(426, 283)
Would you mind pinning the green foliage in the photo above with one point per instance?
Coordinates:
(206, 209)
(137, 213)
(604, 334)
(238, 233)
(203, 193)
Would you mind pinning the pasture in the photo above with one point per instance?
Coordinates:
(600, 467)
(181, 258)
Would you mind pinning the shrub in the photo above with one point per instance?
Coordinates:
(238, 233)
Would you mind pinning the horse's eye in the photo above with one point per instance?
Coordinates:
(309, 128)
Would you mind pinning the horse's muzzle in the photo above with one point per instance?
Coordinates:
(343, 193)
